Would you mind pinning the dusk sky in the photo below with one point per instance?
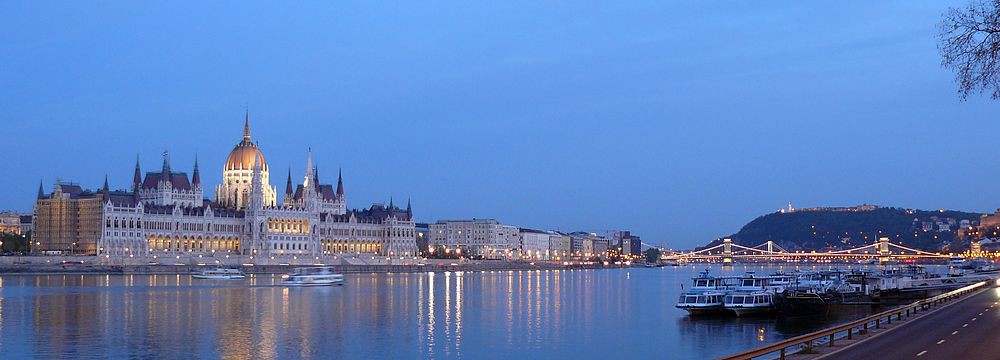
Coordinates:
(680, 121)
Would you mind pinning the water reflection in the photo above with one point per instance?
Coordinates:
(559, 314)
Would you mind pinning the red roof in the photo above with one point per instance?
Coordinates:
(178, 180)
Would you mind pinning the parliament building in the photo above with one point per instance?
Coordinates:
(166, 214)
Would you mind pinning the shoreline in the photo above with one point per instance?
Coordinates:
(56, 269)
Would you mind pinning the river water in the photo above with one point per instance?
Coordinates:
(558, 314)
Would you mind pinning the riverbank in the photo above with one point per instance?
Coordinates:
(75, 268)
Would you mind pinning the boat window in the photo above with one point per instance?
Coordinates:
(701, 283)
(748, 282)
(738, 299)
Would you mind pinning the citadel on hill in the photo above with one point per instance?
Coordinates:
(165, 213)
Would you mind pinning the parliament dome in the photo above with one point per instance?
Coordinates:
(246, 153)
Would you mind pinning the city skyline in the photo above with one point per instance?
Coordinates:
(619, 120)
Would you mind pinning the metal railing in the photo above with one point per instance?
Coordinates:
(860, 326)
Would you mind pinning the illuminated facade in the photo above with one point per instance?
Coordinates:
(67, 220)
(10, 223)
(477, 237)
(165, 214)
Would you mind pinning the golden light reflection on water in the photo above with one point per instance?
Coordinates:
(430, 315)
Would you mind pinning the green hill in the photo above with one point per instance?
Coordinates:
(830, 229)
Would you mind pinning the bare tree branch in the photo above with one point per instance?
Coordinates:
(969, 42)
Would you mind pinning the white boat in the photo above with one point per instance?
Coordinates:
(219, 274)
(704, 303)
(756, 294)
(750, 303)
(706, 294)
(312, 276)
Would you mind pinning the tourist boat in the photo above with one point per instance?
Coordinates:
(751, 303)
(706, 294)
(219, 274)
(702, 303)
(756, 294)
(313, 276)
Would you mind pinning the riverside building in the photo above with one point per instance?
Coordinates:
(486, 238)
(166, 214)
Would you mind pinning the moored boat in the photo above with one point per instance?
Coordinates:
(756, 294)
(703, 303)
(706, 294)
(751, 303)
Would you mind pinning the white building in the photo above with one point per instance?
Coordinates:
(587, 245)
(477, 237)
(534, 244)
(165, 214)
(559, 245)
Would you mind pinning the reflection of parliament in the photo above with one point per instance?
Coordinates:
(166, 214)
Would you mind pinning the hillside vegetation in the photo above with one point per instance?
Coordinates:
(819, 230)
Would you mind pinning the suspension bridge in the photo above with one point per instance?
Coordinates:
(881, 251)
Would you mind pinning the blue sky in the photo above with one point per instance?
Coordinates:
(678, 120)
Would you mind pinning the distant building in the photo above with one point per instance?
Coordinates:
(559, 245)
(26, 224)
(67, 220)
(10, 223)
(165, 213)
(627, 244)
(487, 238)
(587, 245)
(990, 220)
(862, 207)
(534, 243)
(599, 247)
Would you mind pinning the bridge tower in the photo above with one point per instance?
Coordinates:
(727, 251)
(883, 250)
(770, 246)
(977, 249)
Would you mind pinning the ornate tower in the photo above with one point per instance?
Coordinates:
(234, 191)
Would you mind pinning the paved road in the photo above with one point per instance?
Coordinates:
(966, 330)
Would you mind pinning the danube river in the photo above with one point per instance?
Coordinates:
(553, 314)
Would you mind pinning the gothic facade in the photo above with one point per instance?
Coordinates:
(165, 214)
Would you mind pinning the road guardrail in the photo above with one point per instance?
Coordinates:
(849, 329)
